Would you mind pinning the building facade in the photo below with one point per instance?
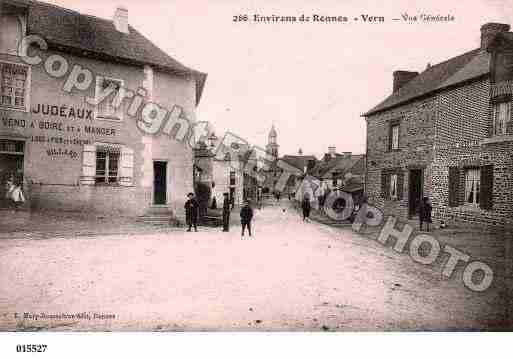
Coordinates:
(72, 151)
(447, 134)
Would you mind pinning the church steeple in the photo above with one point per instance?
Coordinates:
(272, 142)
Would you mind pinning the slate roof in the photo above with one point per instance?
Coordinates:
(353, 163)
(299, 162)
(459, 69)
(88, 35)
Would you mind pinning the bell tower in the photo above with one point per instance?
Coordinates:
(272, 143)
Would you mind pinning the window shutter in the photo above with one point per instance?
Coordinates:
(88, 165)
(509, 120)
(400, 185)
(126, 167)
(454, 188)
(389, 142)
(486, 191)
(385, 185)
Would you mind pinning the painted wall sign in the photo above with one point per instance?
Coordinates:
(63, 111)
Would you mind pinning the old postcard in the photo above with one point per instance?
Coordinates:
(244, 166)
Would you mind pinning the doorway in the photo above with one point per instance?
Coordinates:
(11, 166)
(415, 191)
(159, 182)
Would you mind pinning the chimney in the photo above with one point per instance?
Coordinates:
(121, 19)
(489, 31)
(332, 150)
(402, 77)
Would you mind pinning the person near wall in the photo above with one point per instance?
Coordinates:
(191, 212)
(425, 210)
(14, 193)
(306, 206)
(246, 215)
(226, 212)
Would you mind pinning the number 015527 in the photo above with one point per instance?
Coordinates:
(31, 348)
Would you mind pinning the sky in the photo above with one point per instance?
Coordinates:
(313, 80)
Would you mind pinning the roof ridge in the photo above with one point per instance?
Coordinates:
(70, 10)
(449, 59)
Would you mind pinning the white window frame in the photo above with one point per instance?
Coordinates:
(393, 186)
(472, 186)
(395, 137)
(505, 106)
(119, 111)
(27, 87)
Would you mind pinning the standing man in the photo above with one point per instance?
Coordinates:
(226, 212)
(246, 215)
(425, 210)
(306, 206)
(191, 212)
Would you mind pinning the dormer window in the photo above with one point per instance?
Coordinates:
(108, 96)
(11, 32)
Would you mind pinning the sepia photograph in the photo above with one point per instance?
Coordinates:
(255, 166)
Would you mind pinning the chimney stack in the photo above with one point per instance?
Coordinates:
(332, 150)
(121, 19)
(402, 77)
(489, 31)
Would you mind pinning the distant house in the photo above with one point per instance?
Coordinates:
(304, 163)
(222, 172)
(343, 171)
(447, 133)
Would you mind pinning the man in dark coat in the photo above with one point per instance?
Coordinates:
(306, 206)
(425, 210)
(246, 215)
(226, 212)
(191, 212)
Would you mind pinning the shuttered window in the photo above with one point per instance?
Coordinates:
(107, 164)
(472, 186)
(393, 186)
(486, 189)
(454, 186)
(13, 85)
(392, 182)
(477, 186)
(501, 117)
(395, 137)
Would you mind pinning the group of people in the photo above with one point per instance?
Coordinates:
(192, 211)
(246, 213)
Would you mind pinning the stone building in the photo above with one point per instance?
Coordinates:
(73, 151)
(339, 170)
(222, 172)
(447, 133)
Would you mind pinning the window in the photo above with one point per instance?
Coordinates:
(501, 117)
(335, 182)
(12, 147)
(393, 186)
(107, 94)
(472, 186)
(107, 165)
(10, 34)
(13, 85)
(394, 140)
(232, 178)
